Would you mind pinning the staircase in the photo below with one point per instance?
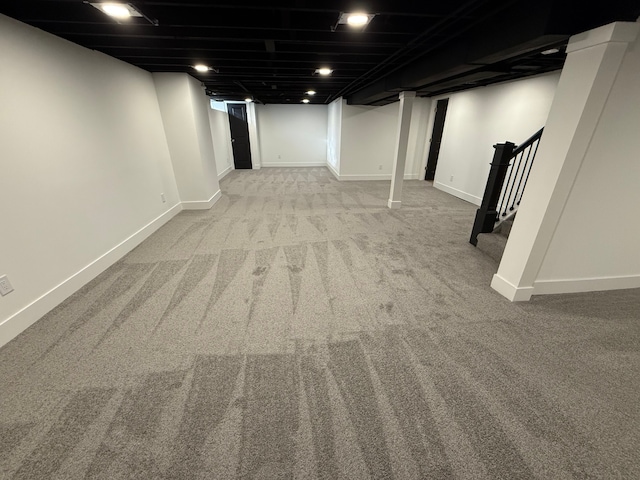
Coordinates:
(510, 169)
(493, 244)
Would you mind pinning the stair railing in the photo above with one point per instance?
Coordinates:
(501, 198)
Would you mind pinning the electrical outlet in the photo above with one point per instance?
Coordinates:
(164, 200)
(379, 167)
(5, 285)
(451, 179)
(279, 157)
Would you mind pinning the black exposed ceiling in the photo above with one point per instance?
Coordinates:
(269, 50)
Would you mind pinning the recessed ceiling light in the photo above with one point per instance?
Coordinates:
(305, 100)
(550, 51)
(311, 92)
(248, 100)
(202, 68)
(120, 11)
(324, 71)
(355, 19)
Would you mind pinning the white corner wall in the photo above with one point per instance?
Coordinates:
(479, 118)
(293, 135)
(221, 136)
(184, 109)
(84, 160)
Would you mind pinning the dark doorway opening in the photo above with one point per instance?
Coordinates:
(239, 135)
(436, 138)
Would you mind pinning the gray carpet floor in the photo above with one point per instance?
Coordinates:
(302, 330)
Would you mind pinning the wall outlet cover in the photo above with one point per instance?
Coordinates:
(5, 285)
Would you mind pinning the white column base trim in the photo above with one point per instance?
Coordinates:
(225, 172)
(545, 287)
(394, 203)
(510, 291)
(27, 316)
(204, 204)
(333, 170)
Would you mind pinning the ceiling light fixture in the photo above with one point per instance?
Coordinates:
(355, 20)
(550, 51)
(115, 10)
(310, 92)
(305, 100)
(202, 68)
(248, 100)
(324, 71)
(121, 11)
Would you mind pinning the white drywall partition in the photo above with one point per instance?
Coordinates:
(84, 162)
(584, 182)
(221, 136)
(334, 135)
(293, 135)
(186, 125)
(479, 118)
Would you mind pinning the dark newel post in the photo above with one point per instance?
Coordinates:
(486, 215)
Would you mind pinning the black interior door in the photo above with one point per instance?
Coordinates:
(239, 135)
(436, 138)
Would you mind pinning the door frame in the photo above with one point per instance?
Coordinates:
(254, 138)
(429, 144)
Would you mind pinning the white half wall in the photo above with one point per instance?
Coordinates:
(84, 162)
(221, 136)
(479, 118)
(293, 135)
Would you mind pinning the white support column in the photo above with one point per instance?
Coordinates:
(402, 139)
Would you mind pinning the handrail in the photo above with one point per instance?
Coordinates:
(499, 194)
(528, 141)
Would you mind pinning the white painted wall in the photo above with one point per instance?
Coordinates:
(368, 141)
(221, 136)
(334, 134)
(293, 135)
(417, 148)
(185, 117)
(479, 118)
(598, 234)
(83, 161)
(366, 138)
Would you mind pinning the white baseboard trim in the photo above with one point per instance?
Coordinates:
(546, 287)
(412, 176)
(293, 165)
(458, 193)
(510, 291)
(27, 316)
(333, 170)
(203, 204)
(225, 172)
(371, 176)
(394, 203)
